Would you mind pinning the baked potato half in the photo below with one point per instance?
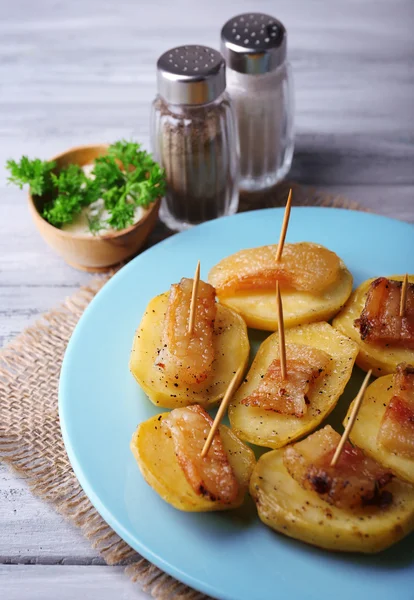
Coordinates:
(154, 451)
(274, 430)
(365, 430)
(258, 308)
(286, 507)
(381, 359)
(231, 345)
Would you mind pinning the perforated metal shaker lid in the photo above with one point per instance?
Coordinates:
(253, 43)
(191, 75)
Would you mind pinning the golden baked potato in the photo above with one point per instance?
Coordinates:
(285, 506)
(274, 430)
(303, 302)
(382, 360)
(154, 451)
(367, 424)
(231, 346)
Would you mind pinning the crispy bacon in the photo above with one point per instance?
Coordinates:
(304, 267)
(211, 476)
(304, 365)
(355, 481)
(396, 432)
(380, 321)
(184, 357)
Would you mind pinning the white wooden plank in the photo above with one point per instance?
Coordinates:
(21, 305)
(321, 158)
(40, 582)
(353, 84)
(31, 531)
(395, 201)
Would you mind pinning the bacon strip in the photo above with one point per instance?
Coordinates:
(290, 397)
(211, 476)
(396, 432)
(304, 267)
(356, 480)
(380, 322)
(188, 358)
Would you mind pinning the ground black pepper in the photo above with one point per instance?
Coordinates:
(195, 149)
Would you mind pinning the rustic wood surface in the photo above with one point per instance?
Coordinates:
(83, 71)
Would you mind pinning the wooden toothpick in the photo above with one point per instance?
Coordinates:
(351, 421)
(279, 307)
(193, 305)
(227, 397)
(403, 295)
(281, 328)
(284, 227)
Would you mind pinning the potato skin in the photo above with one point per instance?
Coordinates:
(364, 432)
(286, 507)
(231, 350)
(154, 452)
(272, 430)
(259, 309)
(381, 360)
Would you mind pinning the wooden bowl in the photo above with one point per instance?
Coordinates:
(100, 252)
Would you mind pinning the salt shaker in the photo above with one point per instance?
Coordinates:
(194, 137)
(259, 82)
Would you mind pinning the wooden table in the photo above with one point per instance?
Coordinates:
(84, 71)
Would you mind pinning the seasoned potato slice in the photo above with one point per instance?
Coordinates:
(365, 429)
(153, 449)
(274, 430)
(382, 360)
(286, 507)
(259, 308)
(231, 346)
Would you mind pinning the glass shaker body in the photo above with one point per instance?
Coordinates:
(197, 145)
(259, 82)
(264, 107)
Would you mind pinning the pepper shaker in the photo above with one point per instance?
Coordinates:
(259, 82)
(194, 137)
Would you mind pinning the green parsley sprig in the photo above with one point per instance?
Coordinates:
(126, 177)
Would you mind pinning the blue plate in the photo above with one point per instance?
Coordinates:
(229, 555)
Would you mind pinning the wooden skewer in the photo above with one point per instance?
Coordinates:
(284, 227)
(281, 329)
(351, 421)
(403, 295)
(227, 397)
(193, 305)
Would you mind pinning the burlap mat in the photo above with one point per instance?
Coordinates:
(30, 437)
